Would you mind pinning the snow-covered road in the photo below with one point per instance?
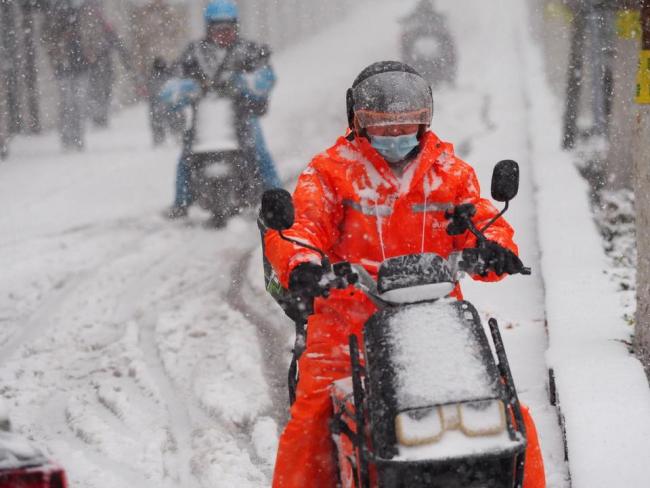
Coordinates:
(143, 352)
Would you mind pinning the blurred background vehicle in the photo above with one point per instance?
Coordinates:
(22, 465)
(427, 44)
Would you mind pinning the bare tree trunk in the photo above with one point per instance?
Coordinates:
(8, 34)
(29, 69)
(4, 129)
(642, 192)
(4, 110)
(599, 21)
(574, 81)
(620, 162)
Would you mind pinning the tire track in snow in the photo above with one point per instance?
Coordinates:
(466, 145)
(180, 423)
(273, 344)
(127, 295)
(189, 422)
(37, 321)
(90, 229)
(129, 476)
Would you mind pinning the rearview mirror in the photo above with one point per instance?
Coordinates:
(277, 210)
(505, 180)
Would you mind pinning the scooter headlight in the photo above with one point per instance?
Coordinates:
(418, 427)
(482, 418)
(428, 425)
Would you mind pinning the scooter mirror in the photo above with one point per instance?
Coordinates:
(277, 210)
(505, 180)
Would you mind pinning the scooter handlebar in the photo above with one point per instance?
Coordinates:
(470, 261)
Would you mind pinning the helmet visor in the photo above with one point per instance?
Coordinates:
(392, 98)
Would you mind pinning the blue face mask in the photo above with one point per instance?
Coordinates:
(394, 148)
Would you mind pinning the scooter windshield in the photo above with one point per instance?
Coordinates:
(414, 270)
(416, 294)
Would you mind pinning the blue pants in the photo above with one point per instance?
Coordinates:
(268, 173)
(251, 142)
(184, 197)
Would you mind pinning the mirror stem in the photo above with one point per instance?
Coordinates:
(496, 217)
(324, 259)
(480, 238)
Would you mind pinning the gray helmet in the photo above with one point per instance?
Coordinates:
(388, 93)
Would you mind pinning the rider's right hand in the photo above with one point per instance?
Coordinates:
(497, 258)
(305, 280)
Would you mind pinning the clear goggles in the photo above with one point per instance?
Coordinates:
(367, 118)
(393, 98)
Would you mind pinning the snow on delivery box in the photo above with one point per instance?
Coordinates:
(441, 417)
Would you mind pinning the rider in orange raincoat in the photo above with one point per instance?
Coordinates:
(381, 191)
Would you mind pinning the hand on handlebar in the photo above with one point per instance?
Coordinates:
(305, 280)
(313, 280)
(490, 256)
(344, 274)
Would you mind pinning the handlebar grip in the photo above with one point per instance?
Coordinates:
(525, 270)
(353, 278)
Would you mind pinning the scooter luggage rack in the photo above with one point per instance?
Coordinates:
(513, 400)
(359, 413)
(505, 467)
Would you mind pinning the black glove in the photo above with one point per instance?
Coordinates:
(304, 280)
(498, 259)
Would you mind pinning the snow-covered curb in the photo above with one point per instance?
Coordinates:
(603, 390)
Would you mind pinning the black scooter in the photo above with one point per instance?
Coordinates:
(427, 404)
(222, 180)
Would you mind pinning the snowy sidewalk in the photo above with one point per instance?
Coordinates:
(602, 388)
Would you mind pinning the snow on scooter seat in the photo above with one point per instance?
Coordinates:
(215, 126)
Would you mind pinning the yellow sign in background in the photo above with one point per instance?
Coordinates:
(643, 78)
(628, 24)
(556, 10)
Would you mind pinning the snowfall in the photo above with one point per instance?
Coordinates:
(141, 352)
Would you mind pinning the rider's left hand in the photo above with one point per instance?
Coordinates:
(305, 280)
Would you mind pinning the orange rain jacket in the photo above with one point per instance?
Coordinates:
(349, 203)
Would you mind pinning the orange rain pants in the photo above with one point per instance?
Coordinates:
(306, 455)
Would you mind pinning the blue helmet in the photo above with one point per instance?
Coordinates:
(221, 11)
